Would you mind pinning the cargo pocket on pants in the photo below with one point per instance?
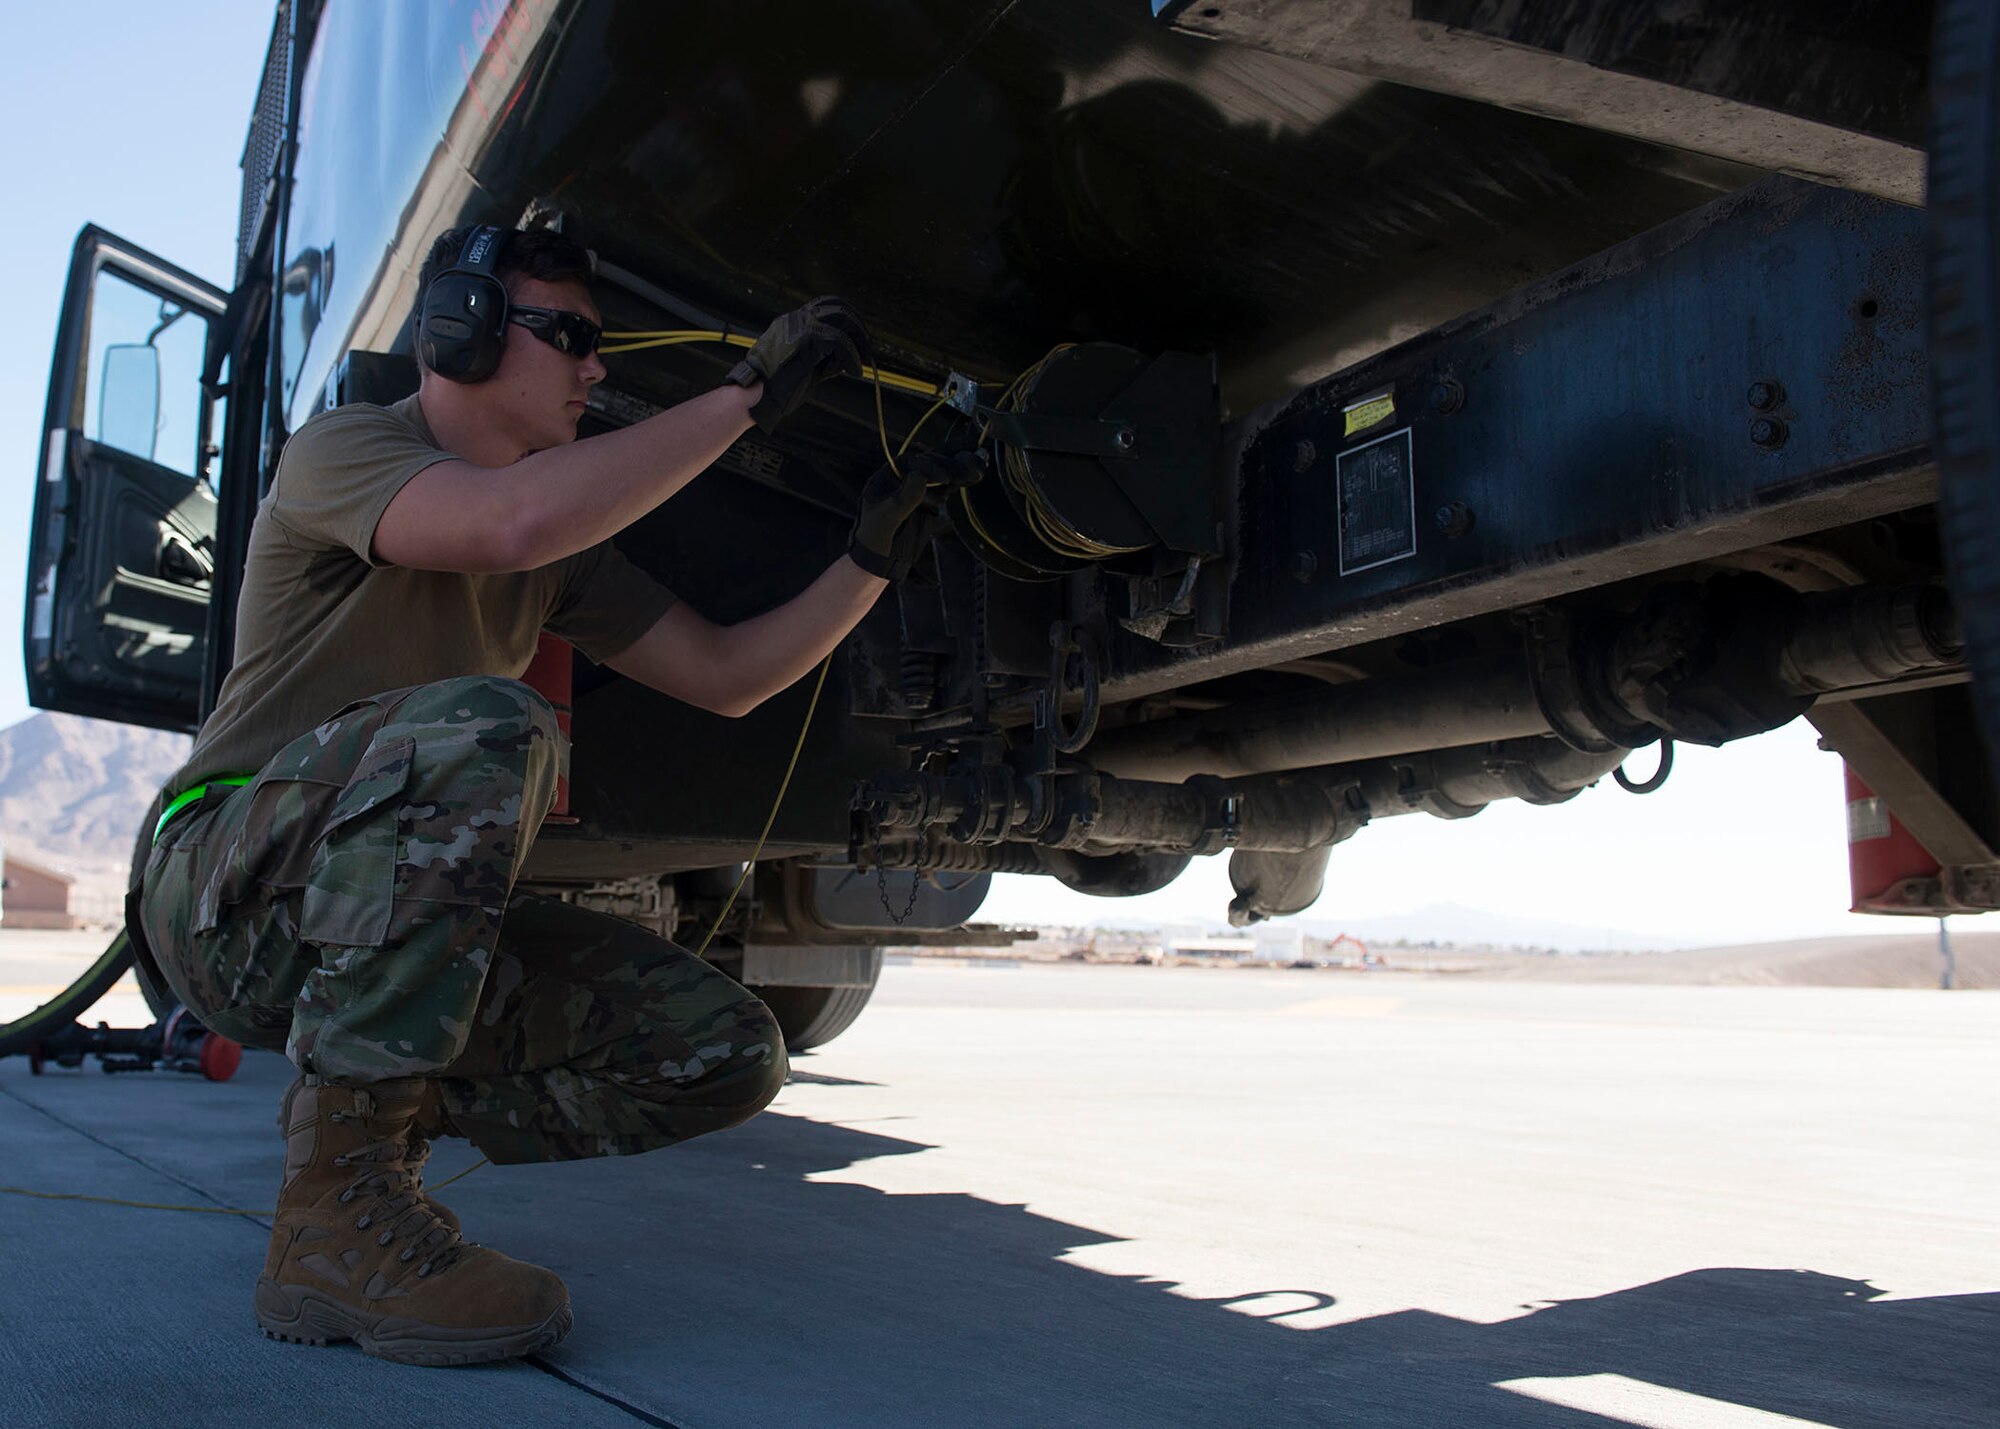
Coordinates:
(351, 882)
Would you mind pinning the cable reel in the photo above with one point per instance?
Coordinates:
(1102, 457)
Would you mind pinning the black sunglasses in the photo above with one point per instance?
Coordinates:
(567, 332)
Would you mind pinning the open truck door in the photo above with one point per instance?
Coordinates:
(122, 547)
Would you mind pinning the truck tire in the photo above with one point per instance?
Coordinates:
(67, 1006)
(1965, 328)
(813, 1016)
(160, 998)
(808, 1016)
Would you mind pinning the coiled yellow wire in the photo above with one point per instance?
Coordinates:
(1047, 527)
(1043, 522)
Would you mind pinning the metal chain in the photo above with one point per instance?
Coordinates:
(882, 884)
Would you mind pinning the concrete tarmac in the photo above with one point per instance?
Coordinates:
(1109, 1196)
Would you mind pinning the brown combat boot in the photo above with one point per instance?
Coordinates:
(359, 1253)
(431, 1122)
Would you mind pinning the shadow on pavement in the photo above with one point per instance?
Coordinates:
(719, 1284)
(760, 1295)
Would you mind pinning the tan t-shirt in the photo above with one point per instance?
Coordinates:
(322, 621)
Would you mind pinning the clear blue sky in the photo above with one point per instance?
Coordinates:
(132, 115)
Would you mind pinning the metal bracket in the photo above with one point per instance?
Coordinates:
(1176, 395)
(1957, 888)
(1151, 618)
(1851, 730)
(989, 809)
(961, 394)
(1227, 827)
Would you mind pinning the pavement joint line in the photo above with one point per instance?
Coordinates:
(134, 1158)
(643, 1416)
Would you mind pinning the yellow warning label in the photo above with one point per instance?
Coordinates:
(1369, 412)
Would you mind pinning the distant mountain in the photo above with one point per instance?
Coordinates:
(1476, 928)
(73, 790)
(1845, 960)
(1445, 923)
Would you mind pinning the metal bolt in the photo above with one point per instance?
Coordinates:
(1454, 519)
(1302, 455)
(1447, 395)
(1304, 566)
(1768, 432)
(1763, 396)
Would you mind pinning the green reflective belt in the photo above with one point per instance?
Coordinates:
(188, 796)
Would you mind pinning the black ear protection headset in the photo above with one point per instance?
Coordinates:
(463, 320)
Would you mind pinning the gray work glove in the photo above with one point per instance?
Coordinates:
(900, 513)
(798, 352)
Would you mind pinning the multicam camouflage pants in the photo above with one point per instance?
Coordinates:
(354, 906)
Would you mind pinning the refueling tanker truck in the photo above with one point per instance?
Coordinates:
(1390, 406)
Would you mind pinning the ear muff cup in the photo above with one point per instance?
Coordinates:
(461, 326)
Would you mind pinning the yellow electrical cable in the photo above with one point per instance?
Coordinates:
(783, 784)
(882, 427)
(882, 430)
(636, 341)
(929, 412)
(812, 705)
(685, 334)
(460, 1176)
(667, 335)
(613, 343)
(1042, 520)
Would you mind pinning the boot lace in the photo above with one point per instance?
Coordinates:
(394, 1167)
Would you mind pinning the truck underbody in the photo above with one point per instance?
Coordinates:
(1396, 407)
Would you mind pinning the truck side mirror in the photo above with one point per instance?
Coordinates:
(128, 403)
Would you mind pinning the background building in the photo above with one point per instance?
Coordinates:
(35, 895)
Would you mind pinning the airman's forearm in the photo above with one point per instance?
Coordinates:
(568, 498)
(770, 652)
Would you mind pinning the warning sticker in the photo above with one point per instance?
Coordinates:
(1376, 492)
(1371, 411)
(1867, 819)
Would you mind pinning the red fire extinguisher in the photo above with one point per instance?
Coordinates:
(1888, 870)
(550, 674)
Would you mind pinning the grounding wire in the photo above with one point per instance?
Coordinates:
(613, 343)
